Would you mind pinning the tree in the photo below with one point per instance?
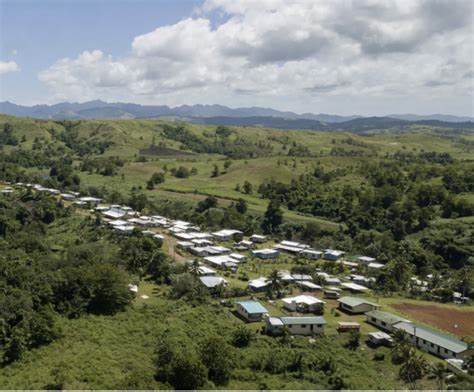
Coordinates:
(400, 346)
(241, 206)
(247, 187)
(354, 340)
(241, 336)
(438, 372)
(216, 355)
(204, 205)
(275, 283)
(273, 217)
(109, 289)
(413, 368)
(227, 164)
(215, 171)
(182, 172)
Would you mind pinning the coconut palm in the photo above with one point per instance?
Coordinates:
(275, 283)
(413, 368)
(438, 372)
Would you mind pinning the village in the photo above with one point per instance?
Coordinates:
(303, 303)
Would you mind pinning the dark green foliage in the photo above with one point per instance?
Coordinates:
(242, 336)
(7, 137)
(216, 355)
(273, 217)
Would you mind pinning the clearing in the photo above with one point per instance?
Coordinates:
(441, 317)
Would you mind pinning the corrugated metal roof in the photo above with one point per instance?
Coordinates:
(432, 336)
(386, 317)
(353, 301)
(303, 320)
(252, 306)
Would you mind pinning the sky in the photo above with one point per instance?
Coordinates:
(366, 57)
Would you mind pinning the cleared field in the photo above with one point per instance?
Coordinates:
(441, 317)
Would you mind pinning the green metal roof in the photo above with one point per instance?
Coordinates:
(388, 318)
(441, 339)
(303, 320)
(353, 301)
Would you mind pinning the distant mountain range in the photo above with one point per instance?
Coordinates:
(218, 114)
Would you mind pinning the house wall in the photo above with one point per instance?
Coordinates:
(362, 308)
(247, 316)
(306, 329)
(435, 349)
(380, 324)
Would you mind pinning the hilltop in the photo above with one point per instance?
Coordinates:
(223, 115)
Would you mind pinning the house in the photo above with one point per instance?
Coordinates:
(302, 277)
(259, 285)
(251, 310)
(68, 196)
(90, 201)
(347, 326)
(331, 294)
(221, 262)
(183, 236)
(258, 238)
(383, 320)
(303, 304)
(185, 244)
(124, 229)
(332, 280)
(293, 244)
(437, 343)
(354, 287)
(158, 237)
(244, 244)
(365, 260)
(228, 235)
(379, 339)
(333, 255)
(240, 258)
(115, 213)
(295, 325)
(375, 265)
(212, 282)
(206, 271)
(309, 286)
(311, 254)
(266, 253)
(356, 305)
(287, 248)
(201, 242)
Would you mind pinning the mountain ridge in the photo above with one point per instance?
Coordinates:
(100, 109)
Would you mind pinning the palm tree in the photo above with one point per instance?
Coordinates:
(413, 368)
(438, 371)
(400, 345)
(275, 283)
(194, 267)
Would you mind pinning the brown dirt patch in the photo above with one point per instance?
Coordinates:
(164, 152)
(441, 317)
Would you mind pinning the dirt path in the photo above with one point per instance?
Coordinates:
(441, 317)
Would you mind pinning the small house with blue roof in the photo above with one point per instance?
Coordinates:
(251, 310)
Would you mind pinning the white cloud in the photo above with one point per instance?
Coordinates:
(8, 66)
(286, 53)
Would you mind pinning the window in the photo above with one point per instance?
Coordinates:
(384, 323)
(289, 326)
(374, 319)
(319, 325)
(446, 350)
(303, 325)
(454, 355)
